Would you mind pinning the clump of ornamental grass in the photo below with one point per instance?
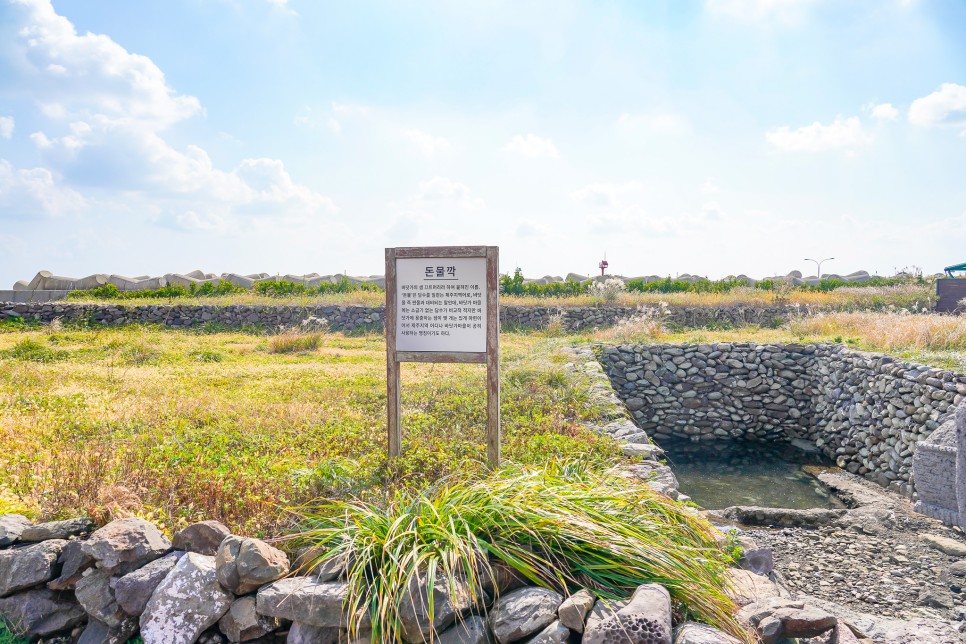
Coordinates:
(294, 342)
(562, 527)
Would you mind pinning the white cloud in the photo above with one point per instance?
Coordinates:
(532, 146)
(33, 192)
(709, 187)
(884, 112)
(657, 122)
(429, 145)
(441, 190)
(841, 134)
(6, 127)
(91, 73)
(759, 10)
(945, 106)
(110, 109)
(606, 195)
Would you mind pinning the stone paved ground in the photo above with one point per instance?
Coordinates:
(875, 559)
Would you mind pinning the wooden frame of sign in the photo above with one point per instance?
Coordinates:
(443, 305)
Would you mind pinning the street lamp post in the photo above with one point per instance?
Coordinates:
(818, 265)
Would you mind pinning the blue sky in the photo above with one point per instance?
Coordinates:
(715, 137)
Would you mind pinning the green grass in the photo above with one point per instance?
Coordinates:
(178, 426)
(7, 637)
(563, 526)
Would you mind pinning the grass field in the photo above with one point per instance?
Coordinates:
(179, 426)
(908, 296)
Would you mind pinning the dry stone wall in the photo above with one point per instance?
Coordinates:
(353, 317)
(67, 581)
(866, 411)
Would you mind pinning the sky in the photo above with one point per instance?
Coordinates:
(707, 137)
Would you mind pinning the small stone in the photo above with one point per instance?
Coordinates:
(305, 600)
(186, 603)
(57, 529)
(951, 547)
(556, 633)
(134, 589)
(73, 562)
(125, 545)
(573, 611)
(646, 615)
(203, 537)
(523, 612)
(244, 565)
(241, 623)
(94, 593)
(804, 622)
(38, 613)
(472, 630)
(23, 568)
(11, 527)
(302, 633)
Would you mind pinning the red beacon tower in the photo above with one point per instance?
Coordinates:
(603, 266)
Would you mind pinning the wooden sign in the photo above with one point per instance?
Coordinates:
(442, 305)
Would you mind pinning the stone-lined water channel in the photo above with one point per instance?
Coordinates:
(719, 474)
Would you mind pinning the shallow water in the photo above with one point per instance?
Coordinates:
(720, 474)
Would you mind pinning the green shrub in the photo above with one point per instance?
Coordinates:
(33, 351)
(562, 527)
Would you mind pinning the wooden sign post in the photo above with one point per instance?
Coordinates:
(442, 305)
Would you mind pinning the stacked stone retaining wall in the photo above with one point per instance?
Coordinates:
(349, 318)
(867, 411)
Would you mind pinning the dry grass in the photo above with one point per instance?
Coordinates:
(355, 298)
(938, 340)
(907, 296)
(176, 426)
(294, 342)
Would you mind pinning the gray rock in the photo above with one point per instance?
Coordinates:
(186, 603)
(244, 565)
(573, 611)
(95, 594)
(332, 568)
(241, 623)
(804, 622)
(11, 527)
(134, 589)
(645, 618)
(447, 604)
(951, 547)
(503, 579)
(203, 537)
(305, 600)
(302, 633)
(73, 562)
(758, 561)
(57, 529)
(472, 630)
(556, 633)
(125, 545)
(782, 517)
(523, 612)
(603, 610)
(100, 633)
(695, 633)
(22, 568)
(42, 612)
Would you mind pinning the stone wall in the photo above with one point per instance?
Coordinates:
(866, 411)
(65, 581)
(353, 317)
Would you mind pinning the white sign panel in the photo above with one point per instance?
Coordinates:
(441, 304)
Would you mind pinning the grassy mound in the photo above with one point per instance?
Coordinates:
(562, 527)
